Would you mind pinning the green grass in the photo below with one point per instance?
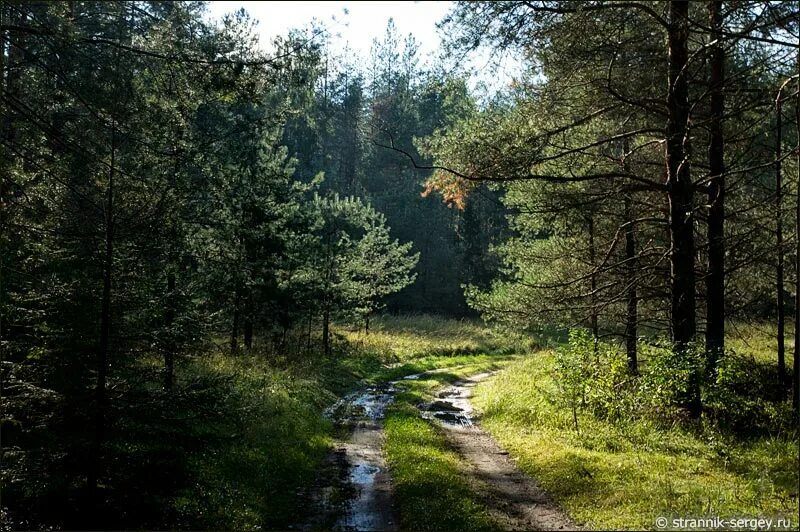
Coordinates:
(396, 346)
(241, 438)
(429, 485)
(274, 439)
(759, 340)
(264, 436)
(428, 475)
(624, 475)
(401, 338)
(255, 436)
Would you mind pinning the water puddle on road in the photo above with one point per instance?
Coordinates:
(356, 494)
(452, 406)
(364, 500)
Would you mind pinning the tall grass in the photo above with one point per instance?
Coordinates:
(270, 438)
(759, 340)
(624, 474)
(262, 438)
(400, 338)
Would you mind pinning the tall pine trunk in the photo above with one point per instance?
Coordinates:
(326, 320)
(779, 268)
(632, 315)
(796, 357)
(101, 398)
(680, 192)
(235, 321)
(715, 280)
(593, 283)
(248, 320)
(169, 321)
(308, 332)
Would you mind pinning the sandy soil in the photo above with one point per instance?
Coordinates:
(514, 499)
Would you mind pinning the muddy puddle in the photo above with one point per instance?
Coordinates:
(452, 406)
(355, 489)
(356, 494)
(365, 406)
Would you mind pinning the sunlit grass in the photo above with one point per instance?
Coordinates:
(624, 475)
(759, 340)
(402, 345)
(406, 337)
(608, 475)
(269, 435)
(428, 476)
(431, 487)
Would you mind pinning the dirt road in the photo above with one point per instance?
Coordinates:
(355, 490)
(513, 498)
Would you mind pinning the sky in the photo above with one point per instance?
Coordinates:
(357, 23)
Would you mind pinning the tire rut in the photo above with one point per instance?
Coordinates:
(354, 487)
(514, 499)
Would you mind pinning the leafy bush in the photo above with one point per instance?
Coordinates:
(741, 397)
(667, 378)
(593, 376)
(572, 373)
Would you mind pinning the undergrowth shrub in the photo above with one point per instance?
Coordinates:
(740, 397)
(592, 376)
(667, 377)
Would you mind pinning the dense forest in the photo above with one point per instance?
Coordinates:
(207, 245)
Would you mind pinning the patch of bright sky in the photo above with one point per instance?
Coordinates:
(355, 25)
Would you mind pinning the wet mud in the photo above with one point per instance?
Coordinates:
(515, 500)
(354, 489)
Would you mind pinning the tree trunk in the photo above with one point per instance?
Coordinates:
(680, 192)
(248, 321)
(715, 280)
(105, 327)
(308, 333)
(593, 282)
(326, 347)
(169, 321)
(796, 358)
(779, 242)
(366, 323)
(235, 325)
(632, 318)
